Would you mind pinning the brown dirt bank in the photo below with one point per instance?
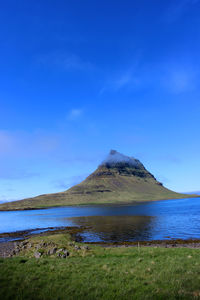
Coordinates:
(178, 243)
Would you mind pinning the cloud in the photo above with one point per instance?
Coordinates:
(172, 76)
(179, 78)
(74, 114)
(74, 62)
(124, 80)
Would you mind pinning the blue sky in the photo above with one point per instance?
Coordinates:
(79, 78)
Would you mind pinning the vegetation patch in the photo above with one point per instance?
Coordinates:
(96, 272)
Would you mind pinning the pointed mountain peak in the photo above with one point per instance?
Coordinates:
(116, 158)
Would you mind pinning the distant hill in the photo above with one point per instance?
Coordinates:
(119, 179)
(194, 192)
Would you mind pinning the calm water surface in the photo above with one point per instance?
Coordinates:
(147, 221)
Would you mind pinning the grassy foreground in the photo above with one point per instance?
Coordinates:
(101, 273)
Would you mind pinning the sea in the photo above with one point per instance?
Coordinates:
(147, 221)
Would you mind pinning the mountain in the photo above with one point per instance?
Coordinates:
(118, 179)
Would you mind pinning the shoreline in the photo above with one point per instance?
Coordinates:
(7, 246)
(25, 234)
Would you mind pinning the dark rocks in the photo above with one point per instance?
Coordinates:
(29, 246)
(62, 253)
(23, 261)
(16, 244)
(23, 244)
(85, 248)
(20, 246)
(66, 252)
(41, 245)
(71, 244)
(77, 247)
(60, 250)
(52, 251)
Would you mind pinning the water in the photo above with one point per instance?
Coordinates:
(147, 221)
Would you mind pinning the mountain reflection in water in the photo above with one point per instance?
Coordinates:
(115, 228)
(157, 220)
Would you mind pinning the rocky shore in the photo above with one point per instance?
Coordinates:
(17, 247)
(6, 249)
(10, 249)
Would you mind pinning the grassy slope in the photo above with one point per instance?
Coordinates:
(101, 190)
(102, 273)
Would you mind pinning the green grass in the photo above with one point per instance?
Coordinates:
(102, 273)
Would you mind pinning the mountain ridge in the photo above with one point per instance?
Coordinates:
(119, 179)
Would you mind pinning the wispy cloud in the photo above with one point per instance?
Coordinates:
(124, 80)
(74, 114)
(173, 77)
(179, 78)
(75, 62)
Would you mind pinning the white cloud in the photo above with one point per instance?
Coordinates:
(124, 80)
(75, 62)
(127, 79)
(74, 114)
(175, 77)
(179, 78)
